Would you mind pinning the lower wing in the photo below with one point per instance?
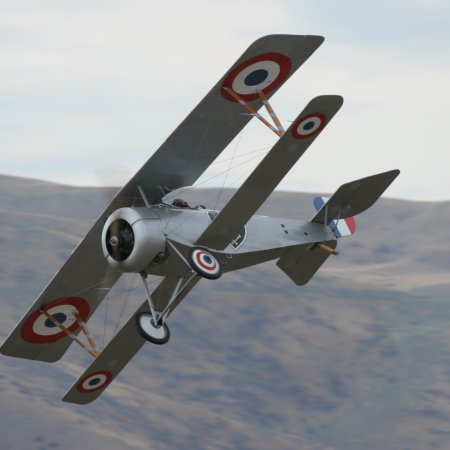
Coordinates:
(125, 344)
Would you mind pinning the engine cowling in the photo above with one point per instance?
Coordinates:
(131, 238)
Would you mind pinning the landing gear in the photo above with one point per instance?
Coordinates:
(155, 333)
(151, 324)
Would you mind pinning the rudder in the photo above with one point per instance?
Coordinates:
(342, 227)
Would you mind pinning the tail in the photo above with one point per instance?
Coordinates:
(301, 262)
(349, 200)
(341, 228)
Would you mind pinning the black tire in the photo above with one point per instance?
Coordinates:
(145, 325)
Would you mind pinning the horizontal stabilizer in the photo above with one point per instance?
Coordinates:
(114, 357)
(355, 197)
(300, 263)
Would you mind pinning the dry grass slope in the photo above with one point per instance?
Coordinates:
(356, 359)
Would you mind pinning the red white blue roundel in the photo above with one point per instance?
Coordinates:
(205, 264)
(261, 73)
(309, 125)
(38, 329)
(94, 381)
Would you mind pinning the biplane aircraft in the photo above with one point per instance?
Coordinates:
(141, 232)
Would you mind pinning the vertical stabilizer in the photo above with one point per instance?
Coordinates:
(342, 227)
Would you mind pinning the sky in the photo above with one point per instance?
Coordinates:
(90, 89)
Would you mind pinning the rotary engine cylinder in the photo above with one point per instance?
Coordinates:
(131, 238)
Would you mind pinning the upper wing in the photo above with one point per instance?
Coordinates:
(264, 179)
(181, 159)
(218, 118)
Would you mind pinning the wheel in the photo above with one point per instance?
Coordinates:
(159, 334)
(205, 264)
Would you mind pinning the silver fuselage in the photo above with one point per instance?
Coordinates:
(264, 238)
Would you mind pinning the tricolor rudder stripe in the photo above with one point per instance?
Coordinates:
(342, 227)
(319, 202)
(263, 72)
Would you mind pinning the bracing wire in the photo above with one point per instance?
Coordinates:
(221, 173)
(229, 168)
(119, 294)
(104, 325)
(194, 157)
(124, 304)
(188, 188)
(241, 155)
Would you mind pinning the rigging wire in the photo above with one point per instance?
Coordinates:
(94, 286)
(202, 140)
(191, 187)
(124, 305)
(118, 294)
(104, 327)
(194, 157)
(187, 188)
(229, 168)
(241, 155)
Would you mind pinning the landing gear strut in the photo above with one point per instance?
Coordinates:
(151, 325)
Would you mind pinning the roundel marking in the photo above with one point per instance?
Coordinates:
(309, 125)
(38, 329)
(205, 263)
(263, 72)
(94, 381)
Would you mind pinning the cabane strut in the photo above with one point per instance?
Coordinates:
(278, 128)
